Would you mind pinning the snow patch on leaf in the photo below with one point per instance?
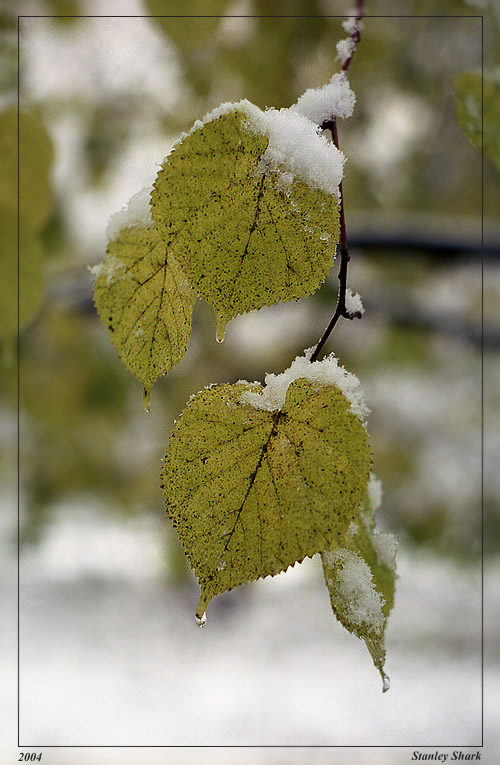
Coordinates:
(355, 589)
(295, 149)
(112, 270)
(320, 373)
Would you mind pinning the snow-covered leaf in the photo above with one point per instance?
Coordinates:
(146, 303)
(360, 577)
(247, 204)
(254, 489)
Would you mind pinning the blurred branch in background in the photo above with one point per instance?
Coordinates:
(74, 291)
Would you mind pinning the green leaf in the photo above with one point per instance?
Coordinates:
(253, 491)
(360, 577)
(243, 237)
(145, 302)
(478, 108)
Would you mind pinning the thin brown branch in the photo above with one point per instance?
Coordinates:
(341, 308)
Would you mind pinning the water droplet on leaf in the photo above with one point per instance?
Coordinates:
(386, 683)
(200, 620)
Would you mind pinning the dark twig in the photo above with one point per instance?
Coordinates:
(341, 309)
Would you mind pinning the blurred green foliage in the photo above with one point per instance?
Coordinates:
(35, 203)
(83, 427)
(478, 111)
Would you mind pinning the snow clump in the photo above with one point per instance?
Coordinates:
(271, 398)
(353, 24)
(336, 99)
(353, 302)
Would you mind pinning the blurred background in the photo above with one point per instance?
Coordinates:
(109, 651)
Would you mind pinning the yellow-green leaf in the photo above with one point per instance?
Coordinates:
(145, 302)
(245, 237)
(360, 577)
(254, 490)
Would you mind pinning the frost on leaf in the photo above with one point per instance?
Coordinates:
(249, 221)
(360, 577)
(145, 302)
(254, 490)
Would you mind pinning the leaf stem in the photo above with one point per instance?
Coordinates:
(341, 309)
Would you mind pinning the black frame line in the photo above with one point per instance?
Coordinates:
(250, 746)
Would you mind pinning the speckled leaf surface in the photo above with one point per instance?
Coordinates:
(360, 577)
(145, 302)
(251, 492)
(243, 240)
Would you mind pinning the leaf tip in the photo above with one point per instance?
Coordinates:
(220, 330)
(201, 620)
(146, 392)
(386, 681)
